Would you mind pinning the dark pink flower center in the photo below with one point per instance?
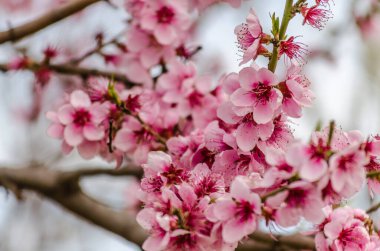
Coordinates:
(206, 186)
(297, 197)
(263, 92)
(81, 117)
(373, 165)
(244, 210)
(173, 175)
(195, 99)
(185, 241)
(351, 235)
(165, 15)
(344, 161)
(319, 151)
(132, 103)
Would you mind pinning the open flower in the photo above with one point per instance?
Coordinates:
(249, 37)
(239, 213)
(166, 19)
(301, 199)
(348, 172)
(81, 119)
(257, 94)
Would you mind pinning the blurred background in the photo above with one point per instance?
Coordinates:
(343, 67)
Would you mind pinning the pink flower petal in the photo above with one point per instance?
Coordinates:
(266, 77)
(55, 131)
(234, 230)
(226, 113)
(165, 34)
(92, 132)
(73, 135)
(246, 136)
(80, 99)
(224, 209)
(248, 78)
(239, 189)
(242, 97)
(262, 113)
(66, 114)
(125, 140)
(88, 149)
(313, 169)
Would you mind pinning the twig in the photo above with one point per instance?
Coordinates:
(53, 16)
(295, 241)
(373, 209)
(95, 50)
(66, 69)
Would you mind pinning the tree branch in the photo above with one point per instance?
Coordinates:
(53, 16)
(294, 242)
(63, 188)
(67, 192)
(66, 69)
(373, 208)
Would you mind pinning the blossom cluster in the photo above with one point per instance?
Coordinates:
(346, 228)
(220, 158)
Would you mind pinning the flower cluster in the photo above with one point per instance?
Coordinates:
(218, 159)
(346, 228)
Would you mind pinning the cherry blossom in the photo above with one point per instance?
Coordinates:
(239, 213)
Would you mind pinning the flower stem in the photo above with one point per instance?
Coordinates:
(287, 16)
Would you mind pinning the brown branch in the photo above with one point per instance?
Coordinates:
(56, 186)
(293, 242)
(53, 16)
(63, 188)
(83, 72)
(373, 209)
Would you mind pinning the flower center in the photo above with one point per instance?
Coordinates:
(262, 92)
(296, 197)
(195, 99)
(82, 117)
(165, 15)
(244, 210)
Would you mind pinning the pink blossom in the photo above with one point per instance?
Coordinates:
(347, 171)
(343, 229)
(314, 164)
(159, 171)
(167, 19)
(134, 140)
(158, 225)
(315, 16)
(301, 199)
(205, 182)
(296, 93)
(257, 94)
(249, 37)
(239, 214)
(292, 49)
(281, 136)
(81, 119)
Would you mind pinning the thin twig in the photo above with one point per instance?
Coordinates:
(373, 209)
(83, 72)
(53, 16)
